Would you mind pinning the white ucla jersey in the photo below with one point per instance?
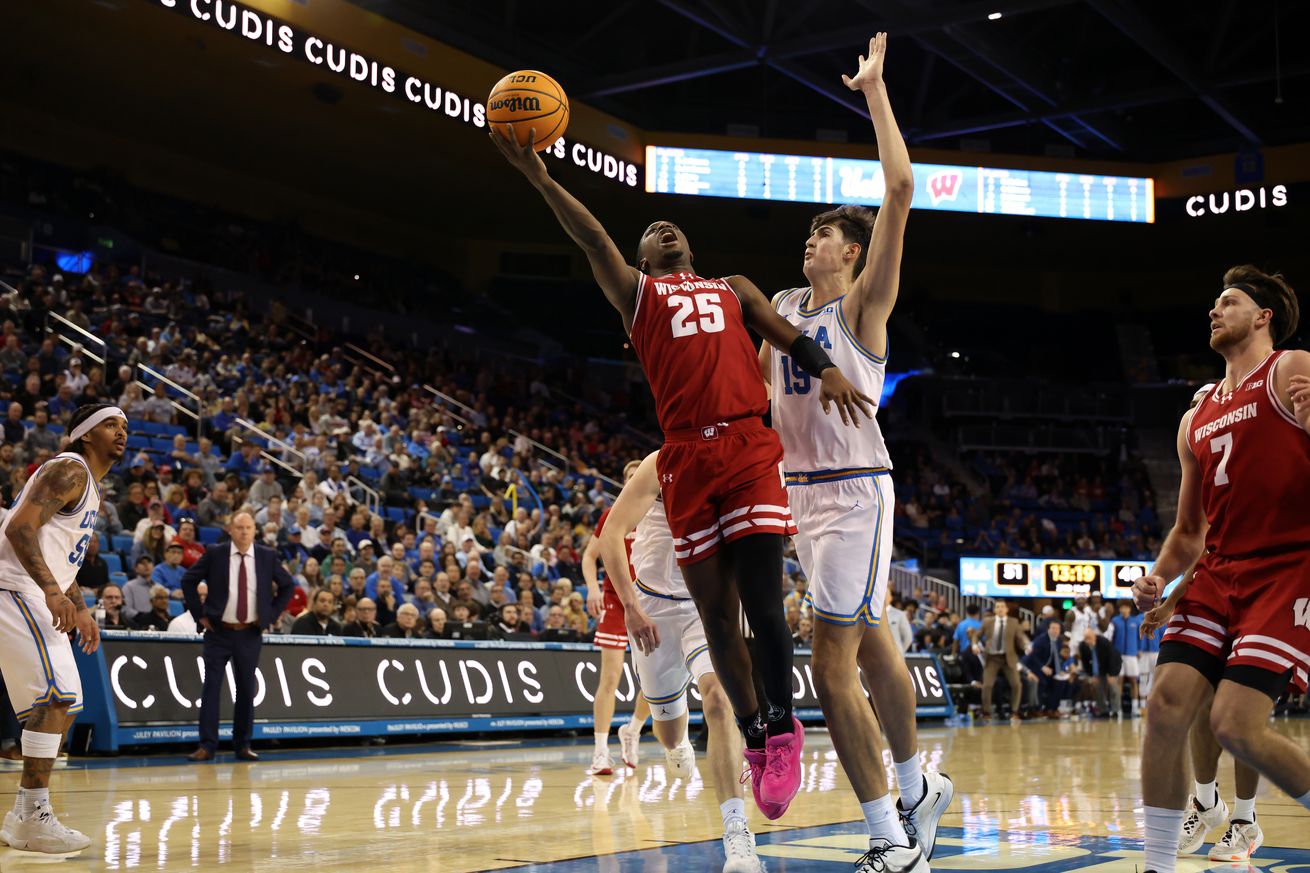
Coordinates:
(653, 558)
(63, 539)
(812, 441)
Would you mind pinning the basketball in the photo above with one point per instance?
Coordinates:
(531, 101)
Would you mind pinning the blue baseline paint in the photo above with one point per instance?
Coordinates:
(983, 843)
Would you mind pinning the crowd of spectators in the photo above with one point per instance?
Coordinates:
(398, 512)
(1026, 505)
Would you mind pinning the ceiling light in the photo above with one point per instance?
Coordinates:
(995, 16)
(955, 354)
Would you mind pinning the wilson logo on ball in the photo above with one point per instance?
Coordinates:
(514, 104)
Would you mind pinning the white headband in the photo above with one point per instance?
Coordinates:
(85, 427)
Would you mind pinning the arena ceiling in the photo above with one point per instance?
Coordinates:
(1148, 80)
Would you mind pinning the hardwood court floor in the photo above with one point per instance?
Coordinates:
(1042, 797)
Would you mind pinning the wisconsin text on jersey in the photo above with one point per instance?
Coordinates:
(1241, 413)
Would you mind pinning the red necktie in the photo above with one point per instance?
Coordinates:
(243, 605)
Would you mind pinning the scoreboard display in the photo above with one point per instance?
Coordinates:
(1049, 577)
(817, 179)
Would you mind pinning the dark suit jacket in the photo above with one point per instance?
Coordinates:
(273, 584)
(1040, 656)
(308, 625)
(1013, 644)
(1108, 658)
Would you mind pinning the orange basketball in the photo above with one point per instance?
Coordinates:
(531, 101)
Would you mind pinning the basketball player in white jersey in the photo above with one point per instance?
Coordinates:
(840, 489)
(43, 540)
(670, 652)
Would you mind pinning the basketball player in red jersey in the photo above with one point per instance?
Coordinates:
(1241, 632)
(611, 638)
(719, 466)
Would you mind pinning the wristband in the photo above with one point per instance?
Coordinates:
(810, 356)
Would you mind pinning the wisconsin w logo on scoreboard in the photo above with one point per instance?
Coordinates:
(944, 185)
(1301, 612)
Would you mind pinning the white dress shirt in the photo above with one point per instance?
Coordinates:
(183, 623)
(899, 624)
(230, 611)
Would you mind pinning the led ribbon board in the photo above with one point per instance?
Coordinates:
(815, 179)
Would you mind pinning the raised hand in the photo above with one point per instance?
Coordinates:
(835, 388)
(524, 158)
(1300, 390)
(870, 72)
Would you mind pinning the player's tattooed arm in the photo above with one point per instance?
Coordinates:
(54, 487)
(615, 276)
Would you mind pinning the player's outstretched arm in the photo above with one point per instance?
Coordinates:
(809, 355)
(1292, 382)
(1184, 544)
(56, 485)
(635, 500)
(616, 278)
(875, 289)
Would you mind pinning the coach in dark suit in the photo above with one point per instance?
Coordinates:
(248, 589)
(1043, 661)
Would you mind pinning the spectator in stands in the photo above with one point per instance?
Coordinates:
(556, 623)
(318, 620)
(158, 408)
(365, 623)
(441, 593)
(62, 406)
(93, 575)
(12, 357)
(507, 621)
(169, 573)
(216, 509)
(151, 545)
(804, 635)
(192, 549)
(31, 394)
(334, 485)
(154, 516)
(406, 624)
(575, 613)
(157, 616)
(116, 617)
(266, 487)
(436, 625)
(40, 436)
(423, 597)
(184, 622)
(387, 600)
(400, 569)
(15, 431)
(133, 508)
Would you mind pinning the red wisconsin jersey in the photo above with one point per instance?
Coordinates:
(691, 338)
(1255, 467)
(627, 544)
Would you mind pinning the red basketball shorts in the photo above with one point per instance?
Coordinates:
(720, 483)
(612, 629)
(1252, 612)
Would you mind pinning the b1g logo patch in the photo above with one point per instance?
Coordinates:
(1301, 612)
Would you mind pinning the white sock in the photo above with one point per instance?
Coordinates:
(1304, 800)
(1244, 809)
(602, 742)
(1207, 794)
(883, 822)
(734, 809)
(29, 799)
(909, 781)
(1164, 828)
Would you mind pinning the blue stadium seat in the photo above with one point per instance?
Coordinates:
(119, 579)
(104, 543)
(150, 427)
(172, 429)
(113, 562)
(162, 444)
(135, 442)
(210, 535)
(175, 608)
(122, 543)
(480, 501)
(395, 513)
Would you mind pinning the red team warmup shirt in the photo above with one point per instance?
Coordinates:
(1249, 602)
(719, 467)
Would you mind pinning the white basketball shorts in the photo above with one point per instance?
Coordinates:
(682, 657)
(844, 540)
(36, 660)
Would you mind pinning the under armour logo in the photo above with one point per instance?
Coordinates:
(666, 478)
(1301, 612)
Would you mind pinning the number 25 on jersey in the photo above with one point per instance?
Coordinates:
(700, 313)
